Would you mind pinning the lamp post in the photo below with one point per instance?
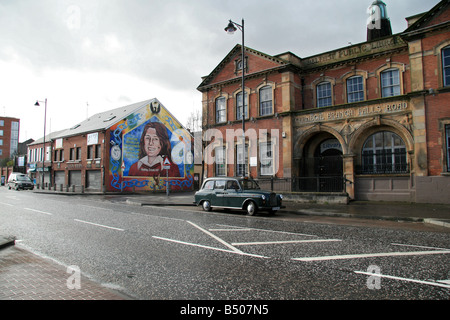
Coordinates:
(230, 29)
(43, 154)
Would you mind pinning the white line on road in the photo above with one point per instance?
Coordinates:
(211, 248)
(266, 230)
(6, 204)
(99, 225)
(216, 237)
(372, 255)
(437, 284)
(415, 246)
(47, 213)
(281, 242)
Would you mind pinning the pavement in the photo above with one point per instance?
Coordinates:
(27, 276)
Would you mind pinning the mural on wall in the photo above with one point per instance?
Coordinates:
(149, 149)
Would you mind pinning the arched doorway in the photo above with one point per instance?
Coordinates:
(321, 168)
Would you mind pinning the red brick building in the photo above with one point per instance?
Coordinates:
(371, 120)
(98, 153)
(9, 137)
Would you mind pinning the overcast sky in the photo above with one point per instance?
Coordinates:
(91, 56)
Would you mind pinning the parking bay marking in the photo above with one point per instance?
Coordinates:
(99, 225)
(441, 283)
(372, 255)
(231, 247)
(39, 211)
(282, 242)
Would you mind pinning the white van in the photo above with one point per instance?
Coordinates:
(19, 181)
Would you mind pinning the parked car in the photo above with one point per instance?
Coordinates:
(20, 181)
(236, 193)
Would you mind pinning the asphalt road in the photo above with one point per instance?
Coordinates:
(173, 253)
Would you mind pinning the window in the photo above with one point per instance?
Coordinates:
(72, 154)
(90, 152)
(238, 65)
(2, 123)
(220, 110)
(446, 66)
(390, 83)
(220, 162)
(447, 139)
(78, 150)
(98, 151)
(220, 185)
(265, 158)
(355, 89)
(241, 164)
(209, 185)
(239, 106)
(384, 152)
(323, 94)
(265, 101)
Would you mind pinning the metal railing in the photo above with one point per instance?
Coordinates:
(303, 184)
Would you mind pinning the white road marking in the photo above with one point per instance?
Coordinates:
(240, 229)
(34, 210)
(437, 284)
(99, 225)
(372, 255)
(215, 237)
(281, 242)
(267, 230)
(415, 246)
(6, 204)
(211, 248)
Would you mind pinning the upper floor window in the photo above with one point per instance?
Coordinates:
(239, 106)
(220, 110)
(323, 94)
(265, 101)
(355, 89)
(446, 66)
(238, 65)
(390, 83)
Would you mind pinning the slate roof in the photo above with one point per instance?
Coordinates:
(98, 122)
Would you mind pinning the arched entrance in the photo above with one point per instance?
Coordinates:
(321, 168)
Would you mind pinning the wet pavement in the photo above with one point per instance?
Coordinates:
(27, 276)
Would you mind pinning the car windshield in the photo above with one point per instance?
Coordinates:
(249, 184)
(23, 178)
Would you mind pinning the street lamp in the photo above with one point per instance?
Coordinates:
(43, 154)
(231, 29)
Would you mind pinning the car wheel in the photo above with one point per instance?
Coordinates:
(251, 208)
(206, 205)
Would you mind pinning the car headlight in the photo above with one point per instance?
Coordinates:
(281, 196)
(263, 197)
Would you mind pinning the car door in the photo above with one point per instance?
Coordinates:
(233, 194)
(218, 194)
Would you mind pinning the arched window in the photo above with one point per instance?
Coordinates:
(446, 66)
(384, 152)
(239, 106)
(323, 94)
(355, 89)
(220, 110)
(390, 83)
(265, 101)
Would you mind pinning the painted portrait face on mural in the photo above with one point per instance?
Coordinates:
(154, 153)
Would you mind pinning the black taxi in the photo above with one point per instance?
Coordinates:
(236, 193)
